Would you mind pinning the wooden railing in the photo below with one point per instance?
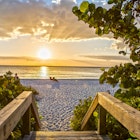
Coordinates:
(125, 114)
(21, 107)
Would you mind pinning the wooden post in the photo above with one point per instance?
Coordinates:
(90, 111)
(102, 121)
(35, 114)
(26, 122)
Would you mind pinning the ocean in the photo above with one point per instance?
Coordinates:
(44, 72)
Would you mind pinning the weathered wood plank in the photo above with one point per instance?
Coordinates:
(35, 114)
(26, 122)
(89, 112)
(125, 114)
(101, 120)
(12, 113)
(128, 116)
(66, 135)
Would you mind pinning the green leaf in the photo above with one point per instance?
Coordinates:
(121, 21)
(102, 78)
(106, 29)
(84, 6)
(111, 71)
(92, 7)
(132, 135)
(110, 1)
(91, 21)
(133, 29)
(98, 31)
(104, 11)
(99, 10)
(138, 75)
(85, 17)
(9, 92)
(122, 52)
(74, 9)
(95, 114)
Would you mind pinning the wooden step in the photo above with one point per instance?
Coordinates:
(65, 135)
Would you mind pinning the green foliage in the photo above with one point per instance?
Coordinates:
(126, 75)
(129, 99)
(84, 6)
(115, 130)
(10, 88)
(122, 21)
(79, 112)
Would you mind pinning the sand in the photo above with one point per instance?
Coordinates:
(57, 100)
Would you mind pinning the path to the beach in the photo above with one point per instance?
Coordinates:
(56, 100)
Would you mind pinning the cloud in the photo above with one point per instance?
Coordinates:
(36, 18)
(106, 57)
(18, 58)
(31, 61)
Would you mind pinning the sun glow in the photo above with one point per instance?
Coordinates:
(44, 53)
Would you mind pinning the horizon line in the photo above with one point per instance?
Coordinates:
(21, 65)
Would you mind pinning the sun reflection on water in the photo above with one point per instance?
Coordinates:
(44, 72)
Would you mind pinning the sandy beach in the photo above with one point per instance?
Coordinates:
(56, 100)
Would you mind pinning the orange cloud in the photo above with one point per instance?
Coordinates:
(37, 19)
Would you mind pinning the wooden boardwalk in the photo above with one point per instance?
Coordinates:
(65, 135)
(23, 107)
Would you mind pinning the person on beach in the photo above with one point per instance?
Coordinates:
(55, 84)
(54, 79)
(16, 76)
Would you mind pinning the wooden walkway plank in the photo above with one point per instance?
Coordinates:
(66, 135)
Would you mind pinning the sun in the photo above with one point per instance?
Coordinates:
(44, 54)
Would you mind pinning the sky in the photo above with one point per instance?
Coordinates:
(28, 27)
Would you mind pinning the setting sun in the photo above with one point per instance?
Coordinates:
(44, 53)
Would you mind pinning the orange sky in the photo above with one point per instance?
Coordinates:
(28, 26)
(58, 62)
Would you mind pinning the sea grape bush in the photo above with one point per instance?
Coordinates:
(122, 21)
(10, 88)
(127, 76)
(79, 112)
(114, 129)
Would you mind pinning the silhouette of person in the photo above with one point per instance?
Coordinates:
(16, 76)
(56, 83)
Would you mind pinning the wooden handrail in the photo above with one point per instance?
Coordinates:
(91, 109)
(35, 114)
(128, 116)
(12, 113)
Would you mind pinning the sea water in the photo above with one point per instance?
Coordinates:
(45, 72)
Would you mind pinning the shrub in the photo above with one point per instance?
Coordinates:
(79, 112)
(115, 130)
(10, 88)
